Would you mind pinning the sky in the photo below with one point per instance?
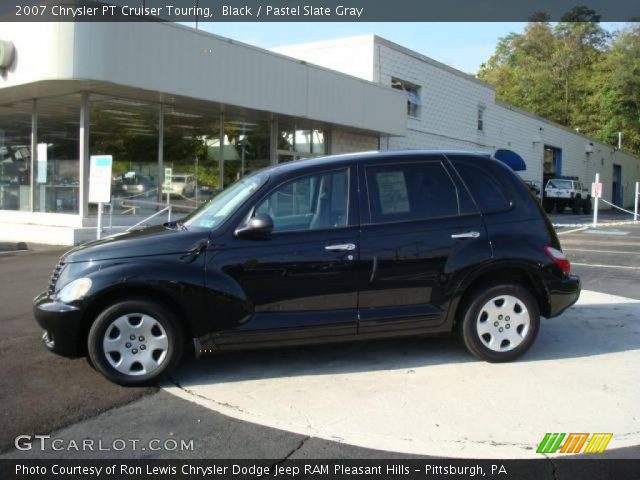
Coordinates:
(464, 46)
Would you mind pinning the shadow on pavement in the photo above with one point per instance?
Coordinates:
(582, 331)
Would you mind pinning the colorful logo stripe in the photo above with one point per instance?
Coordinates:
(574, 443)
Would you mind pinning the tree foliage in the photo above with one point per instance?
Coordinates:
(574, 73)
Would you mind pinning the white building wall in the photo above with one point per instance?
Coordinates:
(352, 55)
(528, 135)
(172, 59)
(449, 113)
(450, 101)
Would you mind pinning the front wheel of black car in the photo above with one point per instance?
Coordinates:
(500, 322)
(135, 342)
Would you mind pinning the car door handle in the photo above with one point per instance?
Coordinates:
(466, 235)
(340, 247)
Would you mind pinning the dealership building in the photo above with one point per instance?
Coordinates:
(161, 95)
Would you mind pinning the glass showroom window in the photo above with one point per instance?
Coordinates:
(128, 130)
(296, 142)
(192, 151)
(57, 168)
(15, 156)
(249, 150)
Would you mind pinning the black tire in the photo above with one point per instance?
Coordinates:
(586, 206)
(470, 315)
(575, 206)
(548, 205)
(150, 312)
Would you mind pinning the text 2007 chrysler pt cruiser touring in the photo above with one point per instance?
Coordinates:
(338, 248)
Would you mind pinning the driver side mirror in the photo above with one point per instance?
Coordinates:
(258, 226)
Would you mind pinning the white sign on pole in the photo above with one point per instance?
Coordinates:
(166, 186)
(100, 178)
(596, 190)
(42, 162)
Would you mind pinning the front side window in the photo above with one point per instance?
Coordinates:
(413, 191)
(222, 206)
(309, 203)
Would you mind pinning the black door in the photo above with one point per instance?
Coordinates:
(420, 229)
(300, 282)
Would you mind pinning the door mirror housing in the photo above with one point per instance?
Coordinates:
(258, 226)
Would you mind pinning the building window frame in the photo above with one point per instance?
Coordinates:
(481, 118)
(413, 94)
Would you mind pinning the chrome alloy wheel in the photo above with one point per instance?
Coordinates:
(503, 323)
(135, 344)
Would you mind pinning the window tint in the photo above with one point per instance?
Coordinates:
(309, 203)
(487, 192)
(412, 191)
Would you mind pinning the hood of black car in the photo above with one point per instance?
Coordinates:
(144, 242)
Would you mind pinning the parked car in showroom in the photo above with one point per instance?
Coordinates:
(563, 192)
(349, 247)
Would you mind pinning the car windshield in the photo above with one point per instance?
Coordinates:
(179, 178)
(223, 205)
(560, 184)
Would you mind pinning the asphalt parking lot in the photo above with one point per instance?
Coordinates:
(312, 402)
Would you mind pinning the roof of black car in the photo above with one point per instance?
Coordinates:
(363, 156)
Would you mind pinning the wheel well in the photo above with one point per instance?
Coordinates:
(507, 275)
(110, 297)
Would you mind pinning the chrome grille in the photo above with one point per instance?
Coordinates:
(54, 276)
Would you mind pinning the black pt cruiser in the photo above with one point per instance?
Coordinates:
(332, 249)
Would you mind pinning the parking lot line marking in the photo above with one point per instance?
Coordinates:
(574, 230)
(625, 267)
(601, 251)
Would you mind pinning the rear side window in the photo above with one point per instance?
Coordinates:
(486, 191)
(411, 191)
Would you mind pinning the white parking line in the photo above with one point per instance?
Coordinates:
(601, 251)
(625, 267)
(574, 230)
(12, 251)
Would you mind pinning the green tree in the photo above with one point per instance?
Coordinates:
(619, 100)
(574, 73)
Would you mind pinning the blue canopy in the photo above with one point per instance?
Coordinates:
(511, 158)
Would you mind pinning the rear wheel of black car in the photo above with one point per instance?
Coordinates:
(499, 322)
(135, 342)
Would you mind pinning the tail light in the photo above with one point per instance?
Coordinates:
(558, 258)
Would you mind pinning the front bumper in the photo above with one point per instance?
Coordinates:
(563, 293)
(61, 323)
